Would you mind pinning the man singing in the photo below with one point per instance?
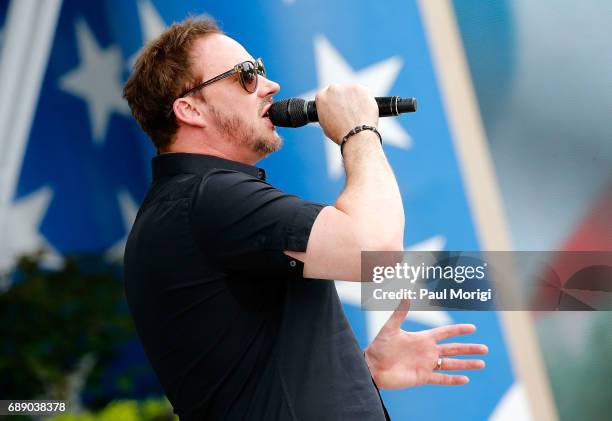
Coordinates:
(229, 279)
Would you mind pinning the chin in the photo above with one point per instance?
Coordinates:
(269, 144)
(278, 141)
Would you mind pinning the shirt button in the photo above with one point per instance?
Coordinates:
(260, 174)
(292, 263)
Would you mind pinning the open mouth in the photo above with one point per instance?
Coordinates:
(266, 114)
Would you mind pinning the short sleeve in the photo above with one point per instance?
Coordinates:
(244, 224)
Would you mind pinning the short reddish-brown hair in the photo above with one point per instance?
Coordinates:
(162, 71)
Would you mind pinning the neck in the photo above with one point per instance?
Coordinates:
(222, 150)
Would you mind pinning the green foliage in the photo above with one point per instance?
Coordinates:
(154, 409)
(580, 369)
(49, 320)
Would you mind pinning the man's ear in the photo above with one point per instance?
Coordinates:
(189, 111)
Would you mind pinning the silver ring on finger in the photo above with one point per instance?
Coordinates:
(439, 364)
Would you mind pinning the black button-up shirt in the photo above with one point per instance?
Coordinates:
(230, 326)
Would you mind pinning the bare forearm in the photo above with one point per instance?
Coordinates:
(371, 197)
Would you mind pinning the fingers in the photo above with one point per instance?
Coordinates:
(450, 350)
(399, 315)
(341, 107)
(447, 379)
(445, 332)
(457, 364)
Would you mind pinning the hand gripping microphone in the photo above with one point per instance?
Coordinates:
(297, 112)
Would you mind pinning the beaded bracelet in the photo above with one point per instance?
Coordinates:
(354, 132)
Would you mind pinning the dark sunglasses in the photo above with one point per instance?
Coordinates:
(247, 71)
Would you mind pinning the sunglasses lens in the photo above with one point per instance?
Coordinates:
(248, 76)
(261, 69)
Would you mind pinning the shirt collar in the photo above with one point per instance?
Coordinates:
(188, 163)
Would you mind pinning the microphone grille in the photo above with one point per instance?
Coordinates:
(288, 113)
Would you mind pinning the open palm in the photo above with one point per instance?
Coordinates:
(398, 359)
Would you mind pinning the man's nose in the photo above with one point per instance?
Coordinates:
(267, 87)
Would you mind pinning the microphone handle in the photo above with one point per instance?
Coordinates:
(388, 106)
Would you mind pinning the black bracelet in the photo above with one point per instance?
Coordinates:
(354, 132)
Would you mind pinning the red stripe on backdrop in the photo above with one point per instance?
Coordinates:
(574, 281)
(595, 231)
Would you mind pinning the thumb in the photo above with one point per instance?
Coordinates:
(399, 315)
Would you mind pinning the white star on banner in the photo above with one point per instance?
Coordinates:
(350, 293)
(513, 406)
(98, 80)
(22, 230)
(129, 209)
(378, 78)
(151, 25)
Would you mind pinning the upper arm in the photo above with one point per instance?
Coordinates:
(336, 243)
(333, 250)
(245, 225)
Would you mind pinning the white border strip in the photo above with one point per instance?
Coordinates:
(28, 37)
(483, 196)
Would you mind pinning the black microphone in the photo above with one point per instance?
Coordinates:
(297, 112)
